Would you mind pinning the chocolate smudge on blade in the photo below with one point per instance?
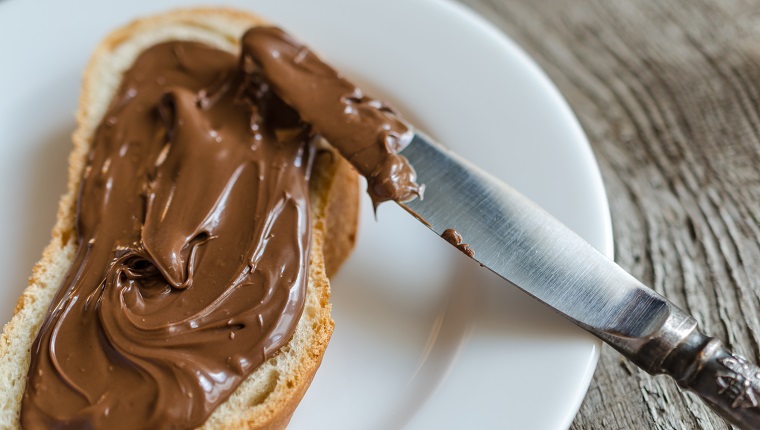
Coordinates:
(453, 237)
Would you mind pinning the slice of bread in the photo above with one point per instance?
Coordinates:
(269, 396)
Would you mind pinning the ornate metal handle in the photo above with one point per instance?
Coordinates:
(727, 382)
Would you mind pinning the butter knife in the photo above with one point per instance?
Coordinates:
(520, 242)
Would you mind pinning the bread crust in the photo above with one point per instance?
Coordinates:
(334, 196)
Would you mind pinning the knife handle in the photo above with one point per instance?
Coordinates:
(727, 382)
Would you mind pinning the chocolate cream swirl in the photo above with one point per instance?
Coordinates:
(194, 226)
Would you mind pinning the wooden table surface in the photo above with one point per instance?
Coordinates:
(668, 93)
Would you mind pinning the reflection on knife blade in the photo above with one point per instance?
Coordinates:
(526, 246)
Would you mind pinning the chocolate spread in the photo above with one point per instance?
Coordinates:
(367, 132)
(453, 237)
(193, 224)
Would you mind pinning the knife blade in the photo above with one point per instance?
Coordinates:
(516, 239)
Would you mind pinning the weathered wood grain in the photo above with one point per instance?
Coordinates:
(668, 93)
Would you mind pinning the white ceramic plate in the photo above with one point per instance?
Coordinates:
(423, 337)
